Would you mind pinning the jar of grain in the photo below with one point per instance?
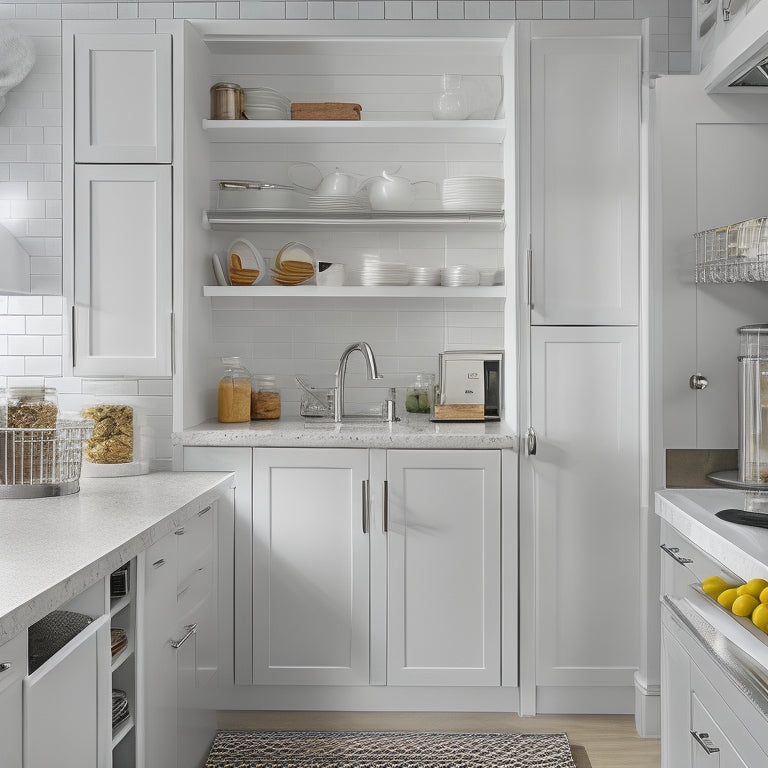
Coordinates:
(112, 439)
(234, 392)
(29, 408)
(265, 398)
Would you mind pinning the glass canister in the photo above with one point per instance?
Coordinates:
(227, 101)
(114, 434)
(419, 396)
(265, 398)
(753, 404)
(234, 393)
(29, 408)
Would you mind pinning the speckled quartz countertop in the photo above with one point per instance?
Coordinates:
(743, 549)
(293, 433)
(52, 549)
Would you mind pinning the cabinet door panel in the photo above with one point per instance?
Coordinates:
(582, 488)
(310, 567)
(122, 98)
(444, 611)
(122, 270)
(13, 658)
(585, 180)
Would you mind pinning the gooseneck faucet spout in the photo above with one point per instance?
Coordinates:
(341, 372)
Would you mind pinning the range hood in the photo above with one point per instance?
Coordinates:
(14, 265)
(740, 62)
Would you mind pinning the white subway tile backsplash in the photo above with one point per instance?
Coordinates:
(48, 325)
(26, 345)
(110, 387)
(11, 365)
(42, 366)
(25, 305)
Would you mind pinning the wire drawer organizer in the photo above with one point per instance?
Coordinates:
(737, 253)
(36, 462)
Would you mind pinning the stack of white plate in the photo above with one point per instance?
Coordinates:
(356, 202)
(376, 272)
(460, 275)
(473, 193)
(266, 104)
(425, 275)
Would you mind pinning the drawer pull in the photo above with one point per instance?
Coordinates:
(5, 666)
(159, 563)
(673, 553)
(705, 742)
(190, 630)
(203, 511)
(179, 532)
(366, 507)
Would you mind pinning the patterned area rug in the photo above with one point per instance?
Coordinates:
(388, 749)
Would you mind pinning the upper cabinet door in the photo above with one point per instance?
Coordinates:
(123, 98)
(585, 182)
(123, 302)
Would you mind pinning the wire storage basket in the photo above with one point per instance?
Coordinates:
(36, 462)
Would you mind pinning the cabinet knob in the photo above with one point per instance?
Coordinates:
(698, 381)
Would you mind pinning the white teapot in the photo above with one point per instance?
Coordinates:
(392, 193)
(338, 183)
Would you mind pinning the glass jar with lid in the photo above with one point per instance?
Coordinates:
(419, 396)
(265, 397)
(234, 392)
(28, 408)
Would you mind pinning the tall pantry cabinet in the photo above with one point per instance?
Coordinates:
(580, 458)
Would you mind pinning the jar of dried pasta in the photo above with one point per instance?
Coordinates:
(265, 398)
(114, 432)
(29, 408)
(234, 393)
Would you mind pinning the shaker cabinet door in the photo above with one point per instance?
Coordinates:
(13, 667)
(310, 567)
(122, 98)
(444, 567)
(122, 302)
(585, 180)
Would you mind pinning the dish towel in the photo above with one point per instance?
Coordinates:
(17, 57)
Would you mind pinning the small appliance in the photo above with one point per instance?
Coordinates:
(470, 387)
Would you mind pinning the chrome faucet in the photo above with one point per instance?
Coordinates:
(373, 373)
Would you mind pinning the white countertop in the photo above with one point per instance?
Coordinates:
(300, 433)
(52, 549)
(743, 549)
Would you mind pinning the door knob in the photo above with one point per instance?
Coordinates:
(698, 381)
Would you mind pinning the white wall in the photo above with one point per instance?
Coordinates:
(31, 203)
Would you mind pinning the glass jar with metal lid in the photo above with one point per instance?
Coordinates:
(28, 408)
(265, 398)
(227, 101)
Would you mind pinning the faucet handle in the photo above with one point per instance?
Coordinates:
(390, 405)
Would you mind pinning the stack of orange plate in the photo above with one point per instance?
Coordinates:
(295, 264)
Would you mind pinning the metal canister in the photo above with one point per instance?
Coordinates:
(226, 101)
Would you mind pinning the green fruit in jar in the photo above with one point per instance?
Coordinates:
(412, 403)
(424, 402)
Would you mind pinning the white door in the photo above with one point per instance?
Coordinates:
(67, 713)
(585, 164)
(580, 493)
(711, 172)
(159, 723)
(122, 98)
(123, 299)
(444, 567)
(13, 668)
(310, 566)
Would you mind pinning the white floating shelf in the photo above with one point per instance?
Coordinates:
(330, 131)
(358, 291)
(489, 221)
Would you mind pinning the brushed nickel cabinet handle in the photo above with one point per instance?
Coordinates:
(159, 563)
(703, 740)
(366, 508)
(672, 552)
(190, 630)
(179, 532)
(386, 506)
(530, 441)
(204, 511)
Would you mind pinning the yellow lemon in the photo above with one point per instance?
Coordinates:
(727, 597)
(753, 587)
(764, 596)
(760, 617)
(714, 585)
(743, 605)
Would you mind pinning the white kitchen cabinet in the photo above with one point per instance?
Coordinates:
(67, 712)
(122, 270)
(13, 668)
(122, 98)
(580, 488)
(444, 567)
(585, 180)
(310, 566)
(179, 609)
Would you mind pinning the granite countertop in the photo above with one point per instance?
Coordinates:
(52, 549)
(743, 549)
(300, 433)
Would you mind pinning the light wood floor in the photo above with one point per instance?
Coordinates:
(610, 740)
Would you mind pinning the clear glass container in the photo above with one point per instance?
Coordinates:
(234, 392)
(452, 102)
(753, 404)
(28, 408)
(420, 396)
(265, 398)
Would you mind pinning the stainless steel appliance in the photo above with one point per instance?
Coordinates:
(471, 386)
